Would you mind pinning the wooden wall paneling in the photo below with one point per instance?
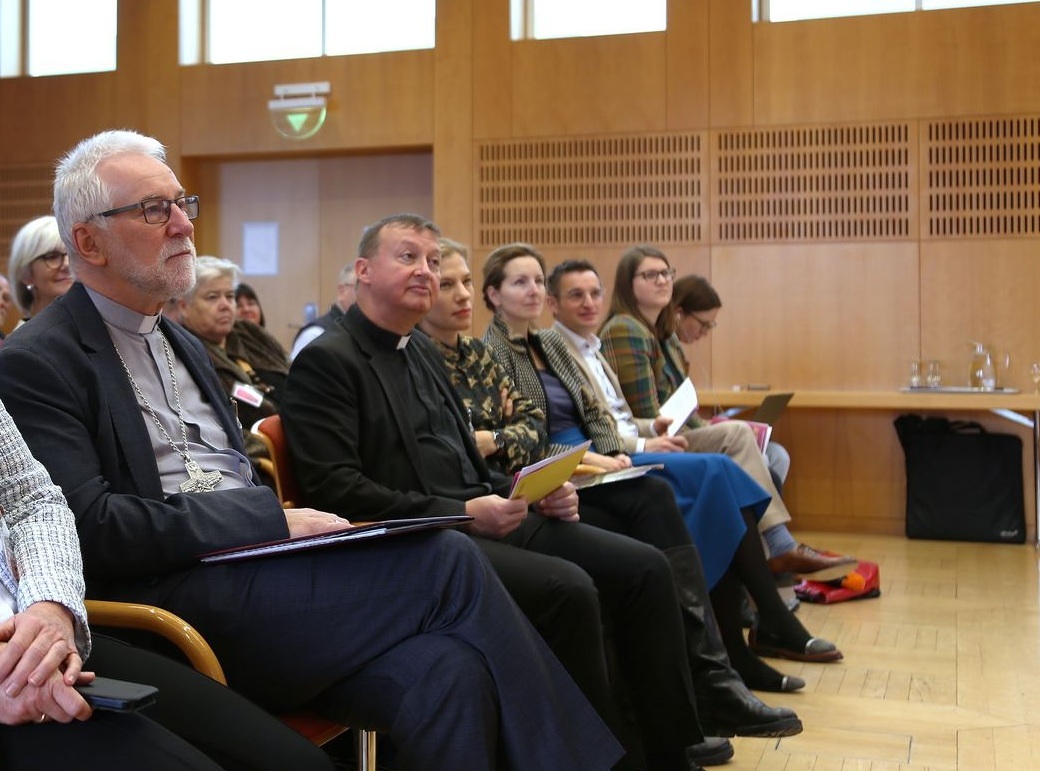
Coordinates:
(492, 67)
(730, 44)
(202, 177)
(595, 85)
(847, 470)
(815, 183)
(378, 101)
(25, 193)
(355, 191)
(822, 316)
(148, 75)
(285, 192)
(687, 52)
(45, 117)
(616, 189)
(453, 183)
(981, 177)
(987, 290)
(951, 62)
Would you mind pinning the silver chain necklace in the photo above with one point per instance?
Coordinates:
(198, 481)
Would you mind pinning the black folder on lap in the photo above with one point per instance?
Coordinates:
(351, 534)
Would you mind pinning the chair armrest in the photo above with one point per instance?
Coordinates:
(131, 615)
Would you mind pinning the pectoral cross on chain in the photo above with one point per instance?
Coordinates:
(199, 481)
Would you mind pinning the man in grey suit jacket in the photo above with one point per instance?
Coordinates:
(413, 636)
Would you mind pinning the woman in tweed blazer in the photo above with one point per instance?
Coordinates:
(641, 346)
(514, 288)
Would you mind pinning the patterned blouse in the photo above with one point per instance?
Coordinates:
(515, 355)
(649, 371)
(479, 380)
(41, 558)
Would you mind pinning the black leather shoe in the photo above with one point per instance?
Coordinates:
(713, 751)
(744, 714)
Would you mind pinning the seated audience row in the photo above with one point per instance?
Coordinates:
(413, 636)
(377, 429)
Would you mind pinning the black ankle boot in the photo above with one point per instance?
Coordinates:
(725, 706)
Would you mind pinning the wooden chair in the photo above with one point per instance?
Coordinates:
(269, 431)
(201, 656)
(129, 615)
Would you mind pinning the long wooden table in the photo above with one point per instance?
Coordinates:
(1002, 404)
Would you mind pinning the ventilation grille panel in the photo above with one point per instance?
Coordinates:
(616, 190)
(829, 183)
(25, 193)
(983, 177)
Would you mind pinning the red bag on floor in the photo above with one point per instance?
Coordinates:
(861, 583)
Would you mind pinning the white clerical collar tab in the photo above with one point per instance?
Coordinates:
(148, 324)
(403, 342)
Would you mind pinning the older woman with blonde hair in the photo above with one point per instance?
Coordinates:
(251, 364)
(39, 266)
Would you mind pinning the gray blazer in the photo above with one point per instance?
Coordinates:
(41, 560)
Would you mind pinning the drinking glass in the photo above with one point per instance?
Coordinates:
(1034, 373)
(915, 374)
(934, 374)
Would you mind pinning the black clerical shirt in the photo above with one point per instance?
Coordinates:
(435, 421)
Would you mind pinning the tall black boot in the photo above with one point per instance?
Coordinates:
(725, 706)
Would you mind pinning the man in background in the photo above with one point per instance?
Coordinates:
(344, 299)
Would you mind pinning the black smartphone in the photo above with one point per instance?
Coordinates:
(118, 695)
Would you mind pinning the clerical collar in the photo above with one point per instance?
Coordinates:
(591, 344)
(121, 317)
(383, 339)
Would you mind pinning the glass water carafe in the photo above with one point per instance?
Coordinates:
(983, 372)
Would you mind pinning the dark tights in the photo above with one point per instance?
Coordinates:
(748, 569)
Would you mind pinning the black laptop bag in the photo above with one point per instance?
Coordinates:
(963, 483)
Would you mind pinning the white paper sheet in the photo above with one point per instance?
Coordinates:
(680, 406)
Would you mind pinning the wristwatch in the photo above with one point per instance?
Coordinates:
(499, 440)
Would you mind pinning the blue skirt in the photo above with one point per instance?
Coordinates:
(710, 490)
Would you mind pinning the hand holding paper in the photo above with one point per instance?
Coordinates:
(680, 406)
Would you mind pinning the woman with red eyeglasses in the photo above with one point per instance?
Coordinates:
(39, 266)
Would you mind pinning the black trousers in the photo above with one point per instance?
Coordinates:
(412, 635)
(643, 509)
(570, 579)
(227, 727)
(194, 723)
(108, 741)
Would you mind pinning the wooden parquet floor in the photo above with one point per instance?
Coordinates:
(941, 672)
